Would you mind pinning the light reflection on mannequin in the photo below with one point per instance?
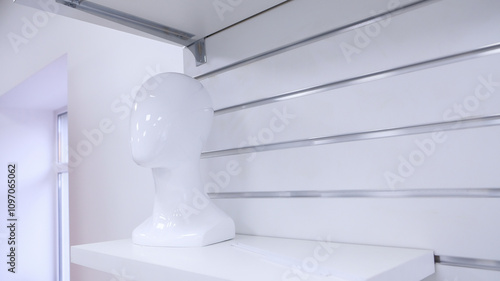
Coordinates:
(169, 126)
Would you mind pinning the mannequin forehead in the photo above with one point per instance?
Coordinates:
(172, 92)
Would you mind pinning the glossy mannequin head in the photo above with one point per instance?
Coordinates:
(171, 119)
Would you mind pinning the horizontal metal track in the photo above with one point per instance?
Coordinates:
(399, 193)
(378, 134)
(468, 262)
(142, 24)
(318, 37)
(488, 50)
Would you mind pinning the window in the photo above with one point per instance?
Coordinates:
(62, 196)
(62, 138)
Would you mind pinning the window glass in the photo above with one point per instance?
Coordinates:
(62, 138)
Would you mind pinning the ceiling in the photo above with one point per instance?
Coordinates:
(198, 17)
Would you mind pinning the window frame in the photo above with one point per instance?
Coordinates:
(62, 190)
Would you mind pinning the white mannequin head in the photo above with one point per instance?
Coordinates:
(170, 121)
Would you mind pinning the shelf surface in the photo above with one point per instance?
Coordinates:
(256, 258)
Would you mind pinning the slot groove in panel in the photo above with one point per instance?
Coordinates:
(487, 121)
(431, 193)
(468, 262)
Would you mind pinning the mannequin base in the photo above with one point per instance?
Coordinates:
(184, 235)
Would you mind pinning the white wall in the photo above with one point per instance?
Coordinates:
(34, 36)
(27, 137)
(33, 46)
(451, 226)
(109, 194)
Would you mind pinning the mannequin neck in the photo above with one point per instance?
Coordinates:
(176, 184)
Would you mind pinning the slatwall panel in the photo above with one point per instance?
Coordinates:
(451, 273)
(396, 145)
(458, 159)
(415, 98)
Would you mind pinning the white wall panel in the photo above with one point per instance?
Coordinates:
(432, 95)
(454, 226)
(452, 27)
(448, 226)
(453, 273)
(291, 22)
(451, 159)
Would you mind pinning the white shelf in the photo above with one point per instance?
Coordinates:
(256, 258)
